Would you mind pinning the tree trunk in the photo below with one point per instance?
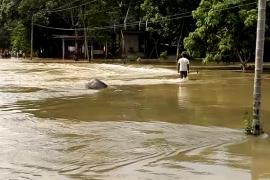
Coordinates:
(244, 67)
(256, 123)
(124, 51)
(179, 40)
(126, 17)
(76, 43)
(32, 36)
(92, 50)
(155, 48)
(106, 49)
(243, 60)
(86, 50)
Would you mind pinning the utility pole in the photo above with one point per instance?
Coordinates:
(92, 49)
(124, 51)
(126, 18)
(86, 50)
(256, 123)
(179, 41)
(106, 49)
(32, 36)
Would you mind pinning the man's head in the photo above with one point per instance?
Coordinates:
(184, 54)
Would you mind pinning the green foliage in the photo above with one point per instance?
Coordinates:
(19, 38)
(93, 15)
(160, 14)
(223, 28)
(6, 10)
(164, 55)
(247, 123)
(4, 37)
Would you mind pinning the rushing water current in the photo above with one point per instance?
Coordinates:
(147, 125)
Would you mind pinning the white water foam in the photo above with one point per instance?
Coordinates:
(58, 80)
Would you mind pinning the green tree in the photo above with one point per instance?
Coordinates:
(163, 20)
(4, 37)
(224, 28)
(169, 20)
(15, 20)
(7, 16)
(19, 38)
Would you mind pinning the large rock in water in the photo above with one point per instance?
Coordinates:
(96, 84)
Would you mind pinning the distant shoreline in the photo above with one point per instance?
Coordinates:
(195, 64)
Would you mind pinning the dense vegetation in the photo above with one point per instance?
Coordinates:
(211, 29)
(225, 29)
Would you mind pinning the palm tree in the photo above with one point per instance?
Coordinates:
(256, 123)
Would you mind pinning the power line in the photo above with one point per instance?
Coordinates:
(54, 28)
(172, 17)
(112, 26)
(66, 4)
(90, 13)
(121, 25)
(65, 9)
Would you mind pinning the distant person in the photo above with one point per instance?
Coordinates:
(183, 66)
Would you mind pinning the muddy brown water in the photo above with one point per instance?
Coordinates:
(147, 125)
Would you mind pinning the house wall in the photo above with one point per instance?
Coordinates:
(132, 43)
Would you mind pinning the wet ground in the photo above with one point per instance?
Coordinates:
(147, 125)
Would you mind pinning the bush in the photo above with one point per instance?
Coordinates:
(164, 55)
(248, 123)
(19, 39)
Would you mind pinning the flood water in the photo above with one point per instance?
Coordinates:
(147, 125)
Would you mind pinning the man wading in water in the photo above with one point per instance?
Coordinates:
(183, 66)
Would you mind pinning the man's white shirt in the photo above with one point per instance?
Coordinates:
(183, 64)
